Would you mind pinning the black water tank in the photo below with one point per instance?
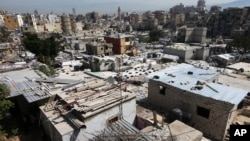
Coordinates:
(176, 114)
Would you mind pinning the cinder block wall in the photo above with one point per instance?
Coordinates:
(219, 117)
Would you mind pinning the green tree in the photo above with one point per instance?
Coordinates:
(241, 43)
(45, 49)
(5, 106)
(155, 35)
(4, 34)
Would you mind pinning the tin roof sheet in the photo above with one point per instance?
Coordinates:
(32, 91)
(212, 90)
(178, 76)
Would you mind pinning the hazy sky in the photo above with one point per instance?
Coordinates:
(102, 6)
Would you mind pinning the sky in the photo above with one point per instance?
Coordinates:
(101, 6)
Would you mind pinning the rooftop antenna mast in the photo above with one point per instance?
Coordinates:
(120, 86)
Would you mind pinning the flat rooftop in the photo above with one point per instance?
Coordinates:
(182, 46)
(240, 65)
(183, 69)
(184, 81)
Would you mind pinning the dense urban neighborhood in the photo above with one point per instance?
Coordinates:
(176, 75)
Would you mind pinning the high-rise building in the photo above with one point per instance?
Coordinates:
(66, 24)
(201, 5)
(119, 13)
(35, 12)
(74, 11)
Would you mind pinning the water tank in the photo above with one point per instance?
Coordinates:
(176, 114)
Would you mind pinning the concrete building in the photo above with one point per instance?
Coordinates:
(121, 43)
(119, 14)
(161, 16)
(187, 52)
(52, 18)
(68, 24)
(135, 18)
(192, 35)
(178, 18)
(2, 20)
(208, 107)
(201, 5)
(11, 22)
(53, 27)
(40, 28)
(20, 20)
(81, 116)
(29, 23)
(78, 26)
(97, 48)
(105, 63)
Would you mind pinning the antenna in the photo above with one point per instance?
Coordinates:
(120, 87)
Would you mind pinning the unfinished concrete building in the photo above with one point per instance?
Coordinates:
(96, 48)
(105, 63)
(192, 35)
(84, 109)
(208, 107)
(187, 52)
(122, 44)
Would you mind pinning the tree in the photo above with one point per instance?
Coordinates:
(4, 34)
(155, 35)
(241, 43)
(45, 49)
(5, 106)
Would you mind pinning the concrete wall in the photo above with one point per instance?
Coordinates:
(119, 44)
(93, 124)
(40, 28)
(50, 130)
(193, 35)
(183, 54)
(29, 29)
(11, 23)
(97, 123)
(202, 53)
(214, 126)
(49, 27)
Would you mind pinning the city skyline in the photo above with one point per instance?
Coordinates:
(101, 6)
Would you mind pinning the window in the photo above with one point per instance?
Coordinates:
(112, 119)
(202, 112)
(162, 90)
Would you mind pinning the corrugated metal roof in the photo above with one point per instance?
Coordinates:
(32, 91)
(121, 130)
(212, 90)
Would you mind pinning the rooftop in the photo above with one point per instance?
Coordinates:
(19, 75)
(179, 78)
(32, 91)
(182, 46)
(85, 99)
(238, 66)
(121, 130)
(183, 69)
(119, 36)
